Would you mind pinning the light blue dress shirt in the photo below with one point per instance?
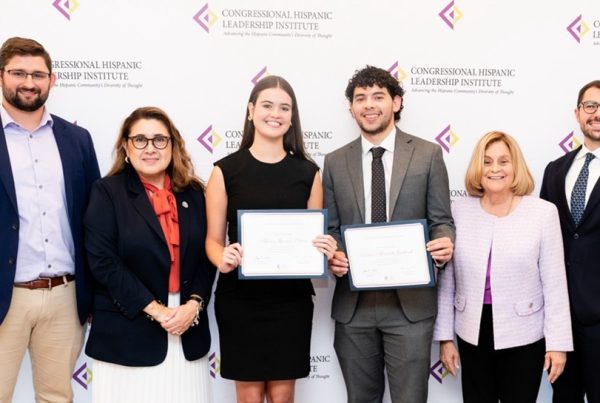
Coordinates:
(46, 246)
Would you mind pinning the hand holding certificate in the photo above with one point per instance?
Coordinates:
(388, 255)
(279, 243)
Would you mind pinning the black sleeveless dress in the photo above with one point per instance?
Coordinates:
(264, 325)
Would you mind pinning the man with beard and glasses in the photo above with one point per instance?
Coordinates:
(385, 175)
(47, 167)
(571, 183)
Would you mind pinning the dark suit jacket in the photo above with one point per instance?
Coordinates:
(80, 170)
(419, 190)
(582, 242)
(130, 262)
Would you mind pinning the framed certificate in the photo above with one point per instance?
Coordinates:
(388, 255)
(278, 243)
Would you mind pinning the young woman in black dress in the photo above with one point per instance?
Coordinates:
(264, 325)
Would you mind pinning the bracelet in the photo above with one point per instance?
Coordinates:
(199, 308)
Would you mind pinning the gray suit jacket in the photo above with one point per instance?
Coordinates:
(419, 190)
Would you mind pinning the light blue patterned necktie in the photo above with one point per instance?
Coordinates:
(578, 194)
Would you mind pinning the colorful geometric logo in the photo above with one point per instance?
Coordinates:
(258, 76)
(83, 376)
(446, 139)
(66, 7)
(438, 371)
(569, 143)
(205, 18)
(209, 139)
(214, 363)
(451, 14)
(396, 71)
(578, 28)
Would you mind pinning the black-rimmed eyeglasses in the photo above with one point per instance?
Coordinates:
(589, 106)
(140, 142)
(21, 75)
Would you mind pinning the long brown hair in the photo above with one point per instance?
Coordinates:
(293, 139)
(180, 169)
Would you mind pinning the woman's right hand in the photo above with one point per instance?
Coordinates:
(230, 258)
(449, 356)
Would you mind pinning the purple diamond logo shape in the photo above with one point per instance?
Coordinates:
(393, 70)
(82, 376)
(213, 362)
(206, 139)
(63, 7)
(575, 27)
(447, 14)
(259, 75)
(569, 143)
(203, 18)
(444, 139)
(438, 372)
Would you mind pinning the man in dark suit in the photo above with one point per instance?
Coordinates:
(385, 175)
(571, 182)
(47, 167)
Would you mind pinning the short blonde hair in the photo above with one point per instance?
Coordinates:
(523, 183)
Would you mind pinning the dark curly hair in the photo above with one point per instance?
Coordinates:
(370, 76)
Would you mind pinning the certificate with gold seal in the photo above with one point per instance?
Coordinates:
(388, 255)
(278, 243)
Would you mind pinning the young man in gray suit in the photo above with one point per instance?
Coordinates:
(385, 175)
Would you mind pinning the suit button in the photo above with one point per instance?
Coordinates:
(11, 260)
(575, 236)
(14, 226)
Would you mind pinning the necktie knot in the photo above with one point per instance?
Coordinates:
(588, 158)
(377, 152)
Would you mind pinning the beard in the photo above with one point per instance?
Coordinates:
(31, 105)
(588, 131)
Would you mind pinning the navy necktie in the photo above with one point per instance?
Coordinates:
(578, 194)
(378, 210)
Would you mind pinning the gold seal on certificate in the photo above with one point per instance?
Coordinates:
(278, 243)
(388, 255)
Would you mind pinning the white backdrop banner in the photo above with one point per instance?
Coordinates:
(468, 67)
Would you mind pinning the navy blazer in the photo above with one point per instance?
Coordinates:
(80, 170)
(130, 263)
(581, 242)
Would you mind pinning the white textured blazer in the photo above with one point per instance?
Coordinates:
(528, 280)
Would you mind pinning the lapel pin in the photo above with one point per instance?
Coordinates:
(184, 204)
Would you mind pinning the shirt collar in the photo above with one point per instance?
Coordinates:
(388, 143)
(584, 150)
(8, 120)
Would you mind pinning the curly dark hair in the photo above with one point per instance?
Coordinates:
(370, 76)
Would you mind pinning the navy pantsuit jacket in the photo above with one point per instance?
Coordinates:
(130, 263)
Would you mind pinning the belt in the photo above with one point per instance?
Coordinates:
(45, 283)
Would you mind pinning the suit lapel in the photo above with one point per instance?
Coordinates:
(66, 152)
(183, 214)
(403, 150)
(561, 176)
(354, 164)
(6, 176)
(142, 204)
(593, 201)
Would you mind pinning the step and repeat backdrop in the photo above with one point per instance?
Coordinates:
(468, 67)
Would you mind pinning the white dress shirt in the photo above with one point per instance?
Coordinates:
(594, 173)
(46, 246)
(388, 160)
